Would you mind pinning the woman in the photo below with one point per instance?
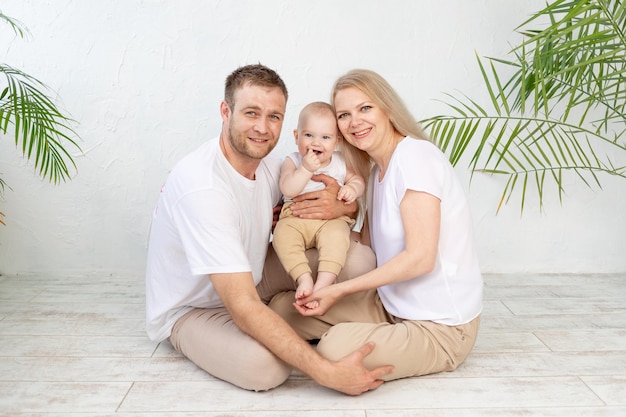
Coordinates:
(421, 304)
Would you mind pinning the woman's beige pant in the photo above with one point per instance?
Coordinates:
(413, 347)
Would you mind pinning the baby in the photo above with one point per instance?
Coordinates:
(317, 138)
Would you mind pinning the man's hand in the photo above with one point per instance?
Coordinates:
(350, 376)
(322, 204)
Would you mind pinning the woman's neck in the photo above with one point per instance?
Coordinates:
(382, 157)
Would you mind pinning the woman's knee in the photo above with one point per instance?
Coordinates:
(342, 339)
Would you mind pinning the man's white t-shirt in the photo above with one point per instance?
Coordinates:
(452, 293)
(209, 219)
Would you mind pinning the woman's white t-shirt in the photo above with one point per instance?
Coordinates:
(452, 293)
(209, 219)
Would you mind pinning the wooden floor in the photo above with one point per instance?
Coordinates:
(551, 345)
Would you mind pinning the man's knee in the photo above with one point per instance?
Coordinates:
(261, 371)
(359, 260)
(282, 304)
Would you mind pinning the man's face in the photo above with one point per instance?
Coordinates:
(255, 121)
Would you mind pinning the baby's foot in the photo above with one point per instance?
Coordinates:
(324, 279)
(305, 286)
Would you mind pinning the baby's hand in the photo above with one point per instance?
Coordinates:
(310, 161)
(347, 194)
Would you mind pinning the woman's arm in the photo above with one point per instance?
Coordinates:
(420, 214)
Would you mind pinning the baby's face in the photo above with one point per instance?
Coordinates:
(318, 133)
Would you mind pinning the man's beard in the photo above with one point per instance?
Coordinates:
(241, 145)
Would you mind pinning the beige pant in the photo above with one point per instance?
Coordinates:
(293, 236)
(211, 340)
(413, 347)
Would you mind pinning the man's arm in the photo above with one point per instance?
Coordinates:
(252, 316)
(323, 204)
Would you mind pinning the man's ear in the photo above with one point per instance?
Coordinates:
(225, 111)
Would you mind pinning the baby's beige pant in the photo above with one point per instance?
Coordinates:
(293, 236)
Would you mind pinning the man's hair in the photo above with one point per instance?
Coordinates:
(256, 74)
(315, 108)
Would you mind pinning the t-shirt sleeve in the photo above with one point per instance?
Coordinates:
(208, 227)
(421, 169)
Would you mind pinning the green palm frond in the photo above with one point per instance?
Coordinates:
(17, 26)
(539, 125)
(41, 131)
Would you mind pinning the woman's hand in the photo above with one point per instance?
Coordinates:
(325, 298)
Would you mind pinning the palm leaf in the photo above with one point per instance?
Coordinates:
(19, 29)
(539, 123)
(41, 131)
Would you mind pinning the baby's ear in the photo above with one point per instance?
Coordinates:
(295, 135)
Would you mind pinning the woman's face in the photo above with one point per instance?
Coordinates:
(362, 123)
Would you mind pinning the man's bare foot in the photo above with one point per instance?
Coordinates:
(305, 286)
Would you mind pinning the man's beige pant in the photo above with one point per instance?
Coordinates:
(211, 340)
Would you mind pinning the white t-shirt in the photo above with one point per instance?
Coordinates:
(335, 169)
(452, 293)
(209, 219)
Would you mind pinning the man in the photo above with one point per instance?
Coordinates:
(207, 248)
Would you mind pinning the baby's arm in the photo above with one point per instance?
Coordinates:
(353, 188)
(292, 178)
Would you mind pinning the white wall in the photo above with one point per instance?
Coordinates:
(144, 79)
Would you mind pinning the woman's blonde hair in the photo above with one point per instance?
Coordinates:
(383, 95)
